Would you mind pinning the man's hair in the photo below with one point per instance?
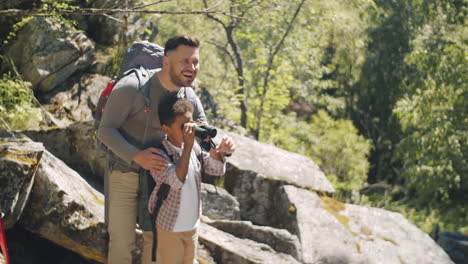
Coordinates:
(171, 106)
(178, 40)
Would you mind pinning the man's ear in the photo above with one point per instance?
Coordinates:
(165, 61)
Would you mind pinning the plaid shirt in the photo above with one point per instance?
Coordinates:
(169, 211)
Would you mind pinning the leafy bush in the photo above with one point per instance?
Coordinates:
(17, 104)
(433, 116)
(334, 145)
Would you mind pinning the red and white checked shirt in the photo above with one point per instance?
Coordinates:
(169, 211)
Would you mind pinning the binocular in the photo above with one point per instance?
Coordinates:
(203, 132)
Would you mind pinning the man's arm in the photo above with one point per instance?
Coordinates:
(116, 111)
(118, 107)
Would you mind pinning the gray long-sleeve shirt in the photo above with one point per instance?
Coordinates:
(122, 127)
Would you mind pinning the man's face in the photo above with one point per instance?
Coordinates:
(183, 65)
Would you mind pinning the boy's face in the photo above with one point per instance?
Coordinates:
(174, 131)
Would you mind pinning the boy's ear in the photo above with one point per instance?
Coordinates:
(165, 128)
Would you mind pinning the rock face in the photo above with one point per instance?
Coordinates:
(219, 204)
(77, 100)
(276, 164)
(105, 30)
(75, 145)
(256, 171)
(19, 161)
(333, 232)
(228, 249)
(455, 244)
(279, 239)
(64, 209)
(46, 53)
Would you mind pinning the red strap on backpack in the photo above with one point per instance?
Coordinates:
(108, 90)
(3, 244)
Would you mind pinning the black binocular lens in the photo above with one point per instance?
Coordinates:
(203, 131)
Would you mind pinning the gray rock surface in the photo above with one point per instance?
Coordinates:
(47, 53)
(256, 171)
(387, 237)
(455, 244)
(333, 232)
(228, 249)
(76, 146)
(218, 203)
(76, 101)
(19, 161)
(105, 30)
(278, 239)
(276, 164)
(64, 209)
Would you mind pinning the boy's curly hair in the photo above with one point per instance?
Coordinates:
(171, 106)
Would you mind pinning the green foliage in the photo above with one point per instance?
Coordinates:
(433, 116)
(53, 6)
(333, 144)
(15, 28)
(17, 110)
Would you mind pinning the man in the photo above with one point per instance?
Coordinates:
(131, 132)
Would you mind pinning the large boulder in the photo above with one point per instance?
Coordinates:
(105, 29)
(19, 161)
(455, 244)
(64, 209)
(46, 53)
(76, 146)
(77, 99)
(334, 232)
(257, 170)
(218, 203)
(278, 239)
(25, 247)
(228, 249)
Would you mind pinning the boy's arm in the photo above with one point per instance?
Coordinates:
(214, 163)
(188, 132)
(183, 163)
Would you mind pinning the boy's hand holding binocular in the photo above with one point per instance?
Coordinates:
(189, 131)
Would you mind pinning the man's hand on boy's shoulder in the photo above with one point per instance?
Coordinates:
(151, 159)
(226, 146)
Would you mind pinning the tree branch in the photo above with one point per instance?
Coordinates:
(102, 11)
(155, 3)
(211, 16)
(225, 50)
(271, 58)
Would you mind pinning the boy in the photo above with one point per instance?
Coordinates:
(179, 215)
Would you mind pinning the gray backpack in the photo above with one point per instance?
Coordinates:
(141, 58)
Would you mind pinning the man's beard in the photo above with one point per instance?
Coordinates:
(179, 80)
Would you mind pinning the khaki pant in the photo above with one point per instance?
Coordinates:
(123, 209)
(176, 247)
